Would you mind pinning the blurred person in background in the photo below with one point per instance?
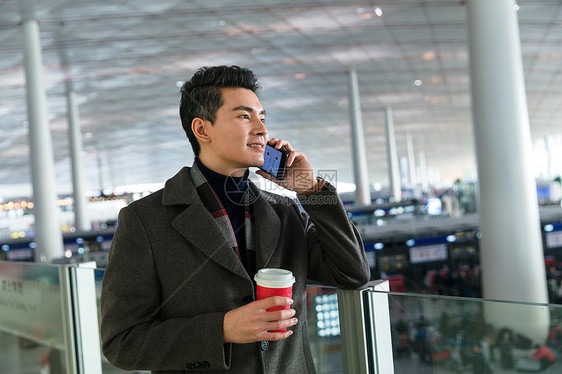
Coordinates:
(543, 355)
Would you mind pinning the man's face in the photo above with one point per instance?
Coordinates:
(238, 136)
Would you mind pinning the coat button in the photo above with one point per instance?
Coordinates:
(264, 345)
(205, 365)
(248, 299)
(190, 366)
(197, 365)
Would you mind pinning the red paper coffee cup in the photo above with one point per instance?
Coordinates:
(274, 282)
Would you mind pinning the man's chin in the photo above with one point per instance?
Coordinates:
(250, 164)
(258, 163)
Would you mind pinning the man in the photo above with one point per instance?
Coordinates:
(178, 292)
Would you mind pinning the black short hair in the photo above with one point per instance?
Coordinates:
(201, 96)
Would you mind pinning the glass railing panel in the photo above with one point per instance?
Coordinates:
(324, 329)
(322, 320)
(31, 319)
(436, 334)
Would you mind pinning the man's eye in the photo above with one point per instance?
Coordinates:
(262, 120)
(245, 116)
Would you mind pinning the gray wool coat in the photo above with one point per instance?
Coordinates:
(172, 276)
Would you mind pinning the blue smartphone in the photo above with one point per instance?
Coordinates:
(275, 162)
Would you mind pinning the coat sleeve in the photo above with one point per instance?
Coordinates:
(133, 337)
(336, 256)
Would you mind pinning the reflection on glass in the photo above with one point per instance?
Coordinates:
(324, 329)
(433, 334)
(31, 319)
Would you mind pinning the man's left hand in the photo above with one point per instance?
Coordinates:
(300, 173)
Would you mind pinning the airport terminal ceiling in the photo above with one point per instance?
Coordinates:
(126, 59)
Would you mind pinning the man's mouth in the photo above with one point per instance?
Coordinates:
(256, 145)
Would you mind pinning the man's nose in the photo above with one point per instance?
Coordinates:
(260, 128)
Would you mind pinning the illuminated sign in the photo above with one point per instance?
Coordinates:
(428, 253)
(554, 239)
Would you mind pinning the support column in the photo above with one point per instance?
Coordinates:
(411, 161)
(511, 246)
(81, 219)
(48, 235)
(423, 172)
(548, 157)
(392, 156)
(100, 169)
(362, 191)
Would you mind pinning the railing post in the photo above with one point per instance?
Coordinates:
(365, 329)
(378, 312)
(70, 353)
(86, 319)
(80, 320)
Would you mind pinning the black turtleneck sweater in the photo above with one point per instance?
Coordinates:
(230, 191)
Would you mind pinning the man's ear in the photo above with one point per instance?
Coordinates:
(200, 128)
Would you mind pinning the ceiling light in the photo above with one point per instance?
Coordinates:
(434, 80)
(179, 83)
(516, 7)
(220, 23)
(418, 82)
(378, 11)
(428, 55)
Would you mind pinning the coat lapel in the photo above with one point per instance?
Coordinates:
(267, 227)
(196, 224)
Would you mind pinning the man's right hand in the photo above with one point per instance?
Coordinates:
(251, 322)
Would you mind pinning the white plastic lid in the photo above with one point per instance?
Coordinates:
(274, 278)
